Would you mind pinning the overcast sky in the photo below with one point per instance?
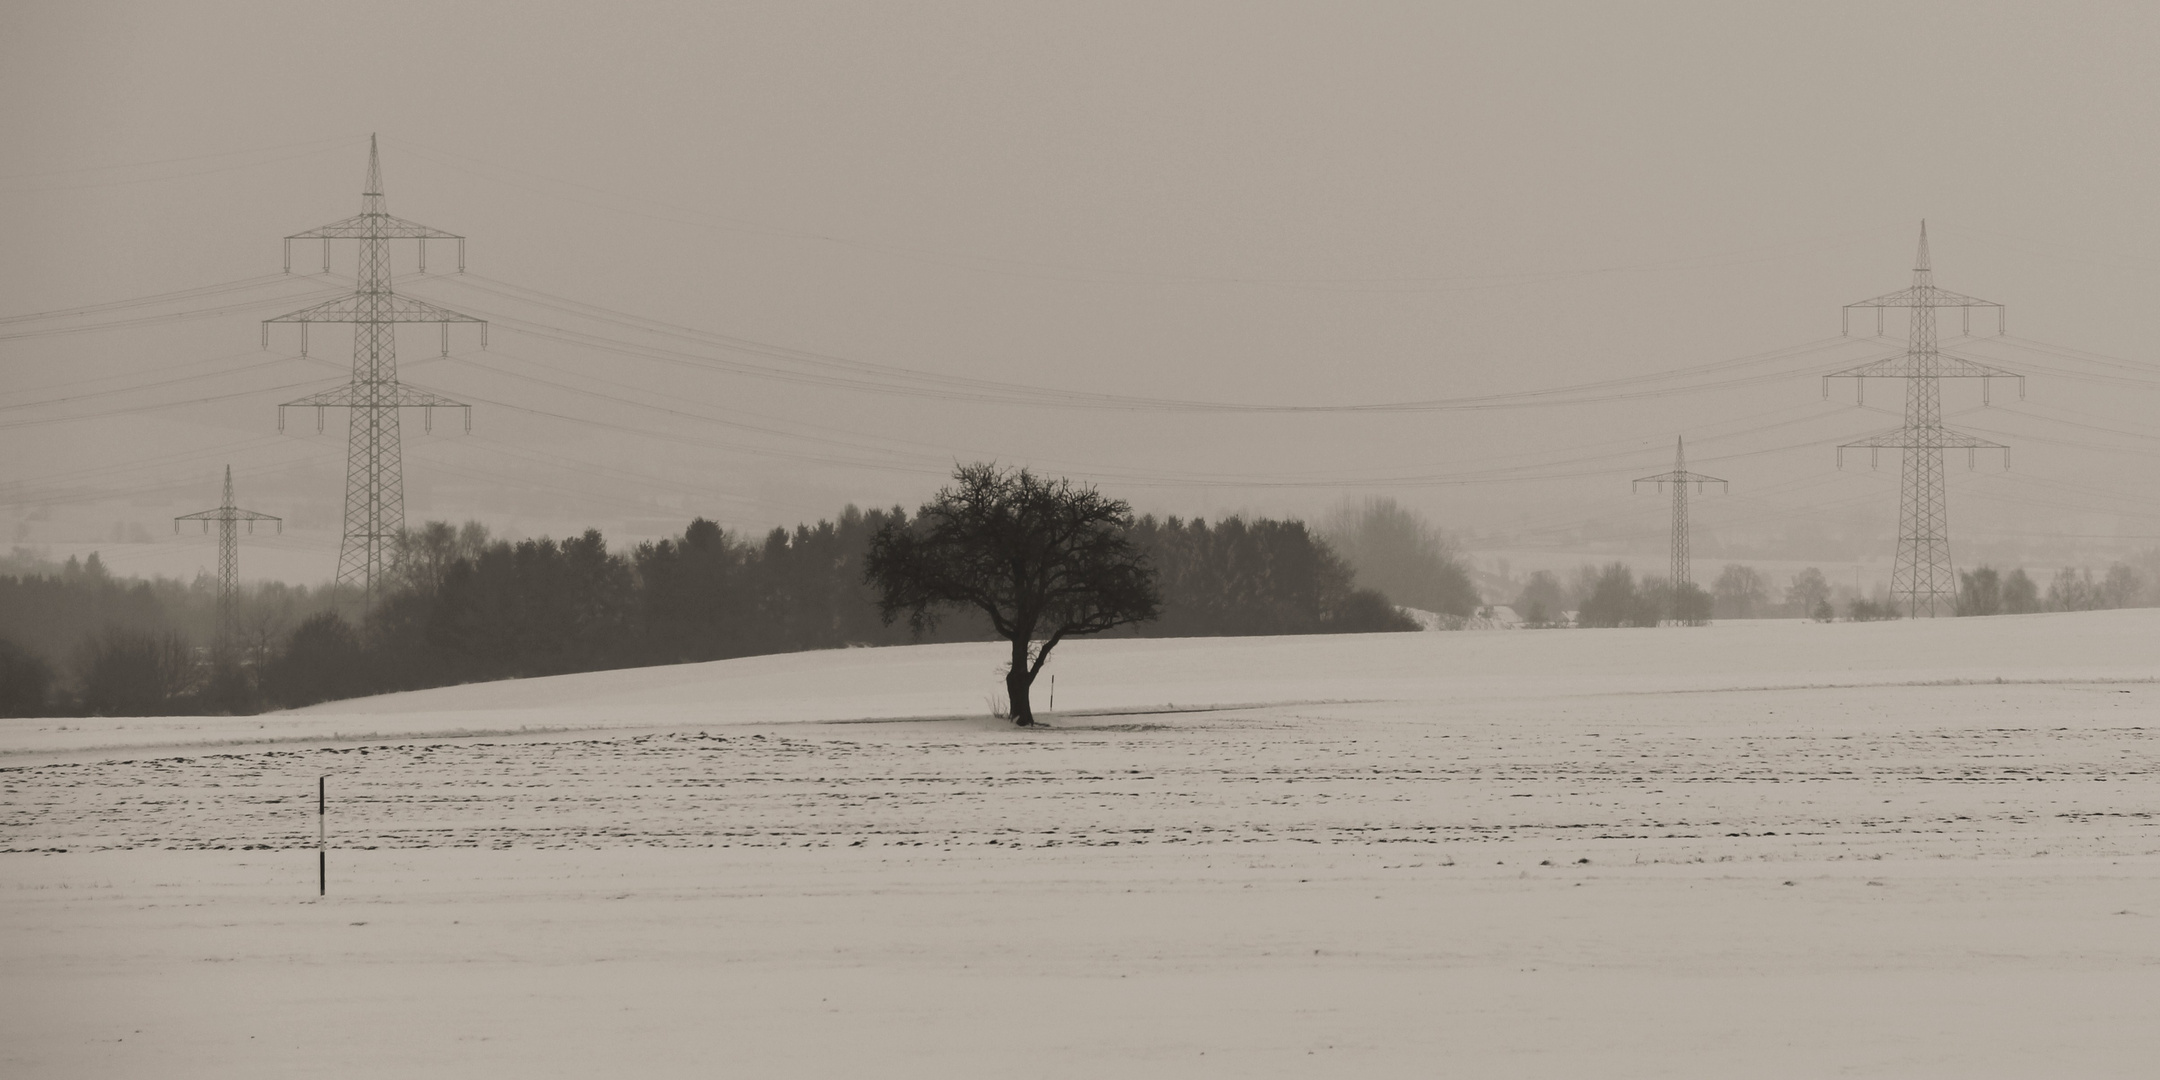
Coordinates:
(889, 237)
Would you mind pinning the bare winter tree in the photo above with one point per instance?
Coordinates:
(1044, 559)
(2122, 587)
(1979, 592)
(1740, 592)
(1395, 550)
(423, 556)
(1809, 595)
(2020, 594)
(126, 672)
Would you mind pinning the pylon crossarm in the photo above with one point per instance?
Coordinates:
(1922, 438)
(360, 308)
(334, 398)
(350, 395)
(412, 397)
(226, 513)
(1938, 365)
(1924, 296)
(1680, 476)
(374, 227)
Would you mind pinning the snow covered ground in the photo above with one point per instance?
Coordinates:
(1759, 849)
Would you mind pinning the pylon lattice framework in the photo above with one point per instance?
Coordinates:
(1923, 579)
(228, 518)
(374, 461)
(1683, 572)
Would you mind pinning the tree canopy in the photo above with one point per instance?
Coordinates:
(1394, 550)
(1043, 559)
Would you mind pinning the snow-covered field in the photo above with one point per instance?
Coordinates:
(1755, 849)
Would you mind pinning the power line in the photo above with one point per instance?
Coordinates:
(176, 380)
(155, 320)
(671, 410)
(908, 383)
(1034, 269)
(86, 185)
(318, 146)
(173, 296)
(204, 400)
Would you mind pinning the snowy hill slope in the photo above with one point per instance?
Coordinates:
(1128, 674)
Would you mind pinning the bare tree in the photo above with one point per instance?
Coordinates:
(423, 556)
(2122, 587)
(1395, 550)
(1979, 592)
(126, 672)
(1044, 559)
(2073, 590)
(1739, 591)
(1543, 601)
(1809, 594)
(2020, 594)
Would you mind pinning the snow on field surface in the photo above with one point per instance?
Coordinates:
(1752, 849)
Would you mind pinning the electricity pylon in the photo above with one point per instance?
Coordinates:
(1683, 572)
(1923, 579)
(228, 518)
(374, 462)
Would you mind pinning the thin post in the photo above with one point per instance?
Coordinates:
(322, 835)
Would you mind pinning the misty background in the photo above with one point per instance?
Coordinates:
(760, 262)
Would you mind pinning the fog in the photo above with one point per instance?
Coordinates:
(762, 262)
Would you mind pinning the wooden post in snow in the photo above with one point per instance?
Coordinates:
(322, 836)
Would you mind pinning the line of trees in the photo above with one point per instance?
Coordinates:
(467, 607)
(1397, 552)
(1258, 577)
(1985, 591)
(1609, 595)
(74, 639)
(1743, 592)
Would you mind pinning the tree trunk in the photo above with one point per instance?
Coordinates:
(1017, 680)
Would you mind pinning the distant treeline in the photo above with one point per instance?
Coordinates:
(466, 607)
(74, 640)
(1612, 596)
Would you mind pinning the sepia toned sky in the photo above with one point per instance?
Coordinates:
(756, 262)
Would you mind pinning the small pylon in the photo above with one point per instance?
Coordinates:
(228, 518)
(1683, 573)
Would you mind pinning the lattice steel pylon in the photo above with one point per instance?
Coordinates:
(374, 460)
(228, 518)
(1923, 580)
(1683, 572)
